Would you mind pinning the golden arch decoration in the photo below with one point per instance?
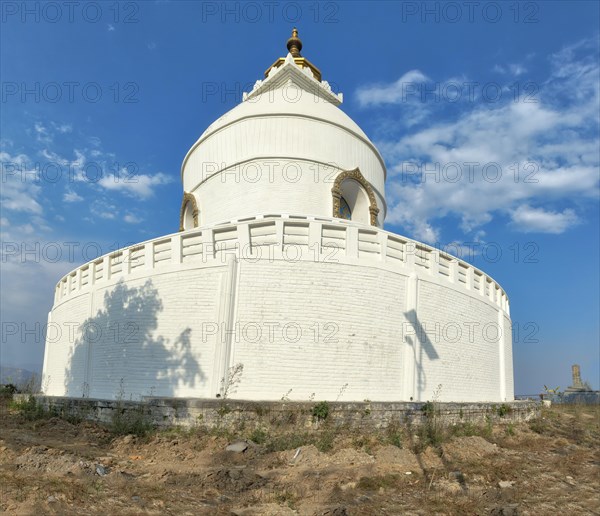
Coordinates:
(336, 192)
(188, 198)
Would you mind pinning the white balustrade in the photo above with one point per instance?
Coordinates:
(273, 236)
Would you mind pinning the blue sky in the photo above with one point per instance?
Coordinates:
(127, 88)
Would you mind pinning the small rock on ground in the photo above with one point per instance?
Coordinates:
(237, 447)
(506, 510)
(101, 470)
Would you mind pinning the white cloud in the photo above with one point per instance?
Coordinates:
(25, 229)
(19, 190)
(132, 219)
(104, 210)
(72, 169)
(546, 152)
(71, 196)
(25, 189)
(94, 141)
(394, 93)
(6, 143)
(64, 128)
(539, 220)
(45, 133)
(425, 232)
(42, 134)
(514, 69)
(136, 185)
(517, 69)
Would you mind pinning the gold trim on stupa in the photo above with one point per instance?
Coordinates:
(294, 46)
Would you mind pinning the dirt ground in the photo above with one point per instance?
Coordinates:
(546, 466)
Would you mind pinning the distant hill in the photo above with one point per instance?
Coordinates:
(21, 378)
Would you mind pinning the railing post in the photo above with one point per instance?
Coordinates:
(107, 272)
(410, 251)
(176, 249)
(351, 242)
(208, 244)
(470, 273)
(434, 262)
(382, 238)
(453, 266)
(314, 239)
(149, 255)
(126, 261)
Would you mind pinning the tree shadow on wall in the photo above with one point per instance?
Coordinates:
(117, 353)
(425, 347)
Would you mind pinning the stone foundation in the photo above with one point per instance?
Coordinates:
(233, 414)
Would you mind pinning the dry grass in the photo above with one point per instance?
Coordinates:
(47, 466)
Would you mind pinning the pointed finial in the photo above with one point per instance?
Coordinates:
(294, 45)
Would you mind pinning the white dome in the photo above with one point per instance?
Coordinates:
(287, 100)
(290, 121)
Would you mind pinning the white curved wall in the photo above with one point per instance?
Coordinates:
(115, 349)
(273, 184)
(330, 307)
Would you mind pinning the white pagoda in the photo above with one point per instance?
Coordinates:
(282, 282)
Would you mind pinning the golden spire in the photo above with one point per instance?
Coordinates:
(294, 45)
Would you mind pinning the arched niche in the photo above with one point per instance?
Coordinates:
(188, 216)
(354, 198)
